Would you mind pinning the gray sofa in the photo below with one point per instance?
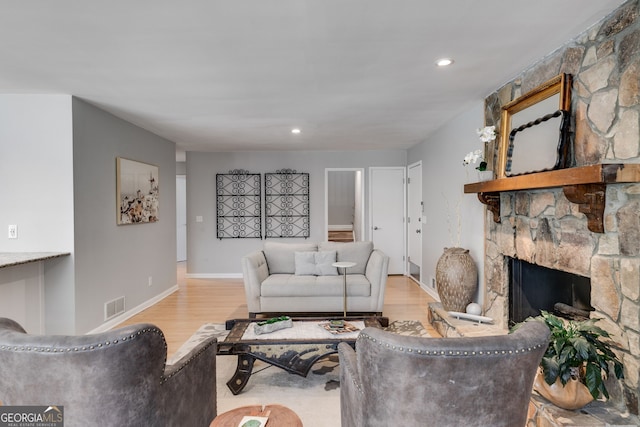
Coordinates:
(114, 378)
(283, 278)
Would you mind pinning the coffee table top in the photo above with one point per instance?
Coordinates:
(305, 330)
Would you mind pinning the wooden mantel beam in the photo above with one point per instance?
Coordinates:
(585, 186)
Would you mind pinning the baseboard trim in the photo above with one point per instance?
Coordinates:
(430, 291)
(213, 275)
(348, 227)
(425, 288)
(135, 310)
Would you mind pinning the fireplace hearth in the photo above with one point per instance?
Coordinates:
(533, 288)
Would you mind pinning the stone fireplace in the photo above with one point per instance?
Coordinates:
(544, 228)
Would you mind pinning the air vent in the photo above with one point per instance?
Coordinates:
(113, 308)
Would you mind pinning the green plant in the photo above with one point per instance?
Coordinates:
(576, 349)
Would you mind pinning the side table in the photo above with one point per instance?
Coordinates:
(344, 265)
(278, 416)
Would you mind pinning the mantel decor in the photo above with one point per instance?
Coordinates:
(534, 130)
(286, 204)
(238, 209)
(138, 193)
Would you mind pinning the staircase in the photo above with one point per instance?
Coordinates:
(340, 236)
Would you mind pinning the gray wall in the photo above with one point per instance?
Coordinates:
(36, 192)
(208, 256)
(451, 213)
(59, 187)
(112, 260)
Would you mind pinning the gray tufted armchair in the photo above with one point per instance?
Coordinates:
(399, 380)
(116, 378)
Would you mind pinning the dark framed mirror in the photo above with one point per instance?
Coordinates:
(535, 130)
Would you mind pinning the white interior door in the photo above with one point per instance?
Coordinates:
(181, 217)
(387, 212)
(415, 219)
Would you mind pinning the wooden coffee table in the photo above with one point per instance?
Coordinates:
(278, 416)
(294, 350)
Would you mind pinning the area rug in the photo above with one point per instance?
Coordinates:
(315, 398)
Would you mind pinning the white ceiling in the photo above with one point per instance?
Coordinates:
(239, 74)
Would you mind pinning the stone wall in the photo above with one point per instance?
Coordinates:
(544, 228)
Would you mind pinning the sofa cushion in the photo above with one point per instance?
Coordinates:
(357, 252)
(281, 256)
(290, 285)
(315, 263)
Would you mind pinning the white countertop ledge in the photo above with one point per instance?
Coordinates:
(8, 259)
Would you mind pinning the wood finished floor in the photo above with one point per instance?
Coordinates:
(200, 301)
(340, 236)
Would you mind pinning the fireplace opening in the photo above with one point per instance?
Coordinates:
(533, 288)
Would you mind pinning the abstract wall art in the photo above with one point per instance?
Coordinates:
(137, 192)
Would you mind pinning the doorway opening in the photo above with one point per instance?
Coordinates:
(344, 201)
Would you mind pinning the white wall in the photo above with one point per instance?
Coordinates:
(36, 145)
(36, 192)
(208, 256)
(112, 260)
(453, 218)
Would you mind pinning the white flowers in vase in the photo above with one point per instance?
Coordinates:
(473, 157)
(486, 134)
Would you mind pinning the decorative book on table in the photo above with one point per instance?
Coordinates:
(336, 329)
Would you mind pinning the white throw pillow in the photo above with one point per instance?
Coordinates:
(305, 263)
(280, 256)
(324, 259)
(315, 263)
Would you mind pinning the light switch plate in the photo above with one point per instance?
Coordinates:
(13, 231)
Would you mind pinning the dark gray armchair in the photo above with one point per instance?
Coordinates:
(115, 378)
(399, 380)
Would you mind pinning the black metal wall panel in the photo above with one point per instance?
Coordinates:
(238, 205)
(286, 204)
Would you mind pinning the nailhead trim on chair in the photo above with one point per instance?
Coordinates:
(193, 356)
(99, 345)
(447, 352)
(88, 347)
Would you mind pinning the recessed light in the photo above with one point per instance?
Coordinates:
(444, 62)
(295, 130)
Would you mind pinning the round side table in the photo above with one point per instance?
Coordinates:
(278, 416)
(344, 265)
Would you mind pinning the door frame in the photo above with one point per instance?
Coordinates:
(181, 204)
(404, 209)
(326, 198)
(420, 281)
